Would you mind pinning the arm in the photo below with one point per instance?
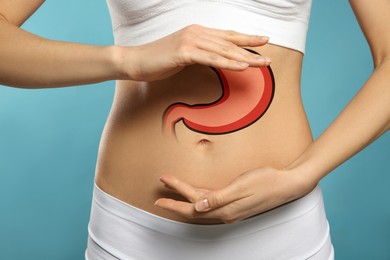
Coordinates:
(30, 61)
(367, 116)
(363, 120)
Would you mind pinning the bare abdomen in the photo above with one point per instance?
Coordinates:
(135, 150)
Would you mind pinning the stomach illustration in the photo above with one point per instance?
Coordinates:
(246, 96)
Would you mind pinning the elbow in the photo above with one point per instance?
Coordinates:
(382, 64)
(382, 67)
(3, 18)
(7, 20)
(381, 58)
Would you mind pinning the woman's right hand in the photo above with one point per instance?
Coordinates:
(193, 44)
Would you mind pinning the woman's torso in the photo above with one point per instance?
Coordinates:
(135, 150)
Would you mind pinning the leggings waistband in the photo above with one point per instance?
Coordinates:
(263, 221)
(298, 230)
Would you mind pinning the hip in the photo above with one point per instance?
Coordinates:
(298, 230)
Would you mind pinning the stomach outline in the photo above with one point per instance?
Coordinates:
(246, 96)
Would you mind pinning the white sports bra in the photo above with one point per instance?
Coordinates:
(137, 22)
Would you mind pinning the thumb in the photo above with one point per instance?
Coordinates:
(217, 199)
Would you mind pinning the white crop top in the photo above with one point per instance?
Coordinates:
(137, 22)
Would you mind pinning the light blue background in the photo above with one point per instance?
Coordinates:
(49, 141)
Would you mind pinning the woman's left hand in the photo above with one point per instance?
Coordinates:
(251, 193)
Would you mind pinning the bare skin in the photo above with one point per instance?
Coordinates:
(135, 152)
(204, 178)
(359, 124)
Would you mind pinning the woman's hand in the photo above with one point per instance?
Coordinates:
(193, 44)
(251, 193)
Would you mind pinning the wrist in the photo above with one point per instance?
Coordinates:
(119, 59)
(302, 177)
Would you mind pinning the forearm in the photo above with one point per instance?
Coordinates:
(362, 121)
(30, 61)
(33, 62)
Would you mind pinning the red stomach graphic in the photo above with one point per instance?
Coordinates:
(246, 96)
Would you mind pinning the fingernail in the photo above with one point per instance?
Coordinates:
(243, 64)
(259, 58)
(266, 60)
(202, 205)
(162, 179)
(264, 38)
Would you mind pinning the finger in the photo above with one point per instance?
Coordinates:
(240, 39)
(185, 189)
(228, 214)
(219, 198)
(182, 208)
(233, 52)
(213, 60)
(230, 49)
(187, 210)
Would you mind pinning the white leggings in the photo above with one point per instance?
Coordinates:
(298, 230)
